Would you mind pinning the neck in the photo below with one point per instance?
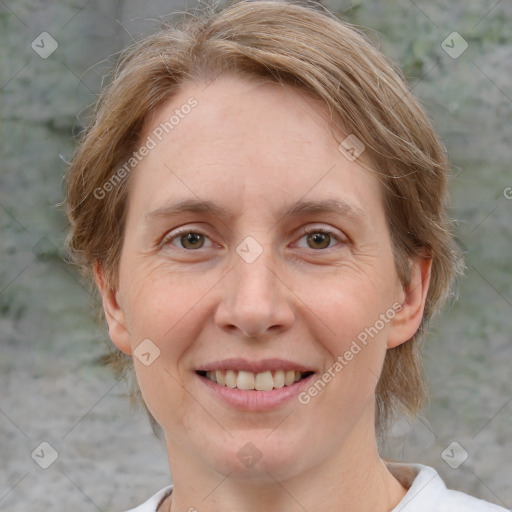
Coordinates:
(353, 478)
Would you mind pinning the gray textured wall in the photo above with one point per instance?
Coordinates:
(52, 390)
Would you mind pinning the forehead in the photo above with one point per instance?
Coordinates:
(249, 142)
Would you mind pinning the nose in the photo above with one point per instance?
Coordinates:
(256, 300)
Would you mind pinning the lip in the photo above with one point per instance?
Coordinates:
(252, 400)
(240, 364)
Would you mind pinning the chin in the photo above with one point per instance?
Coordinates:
(255, 458)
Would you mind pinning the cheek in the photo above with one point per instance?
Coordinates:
(163, 395)
(345, 390)
(358, 312)
(356, 303)
(359, 345)
(163, 305)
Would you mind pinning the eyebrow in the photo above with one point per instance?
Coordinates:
(337, 206)
(189, 206)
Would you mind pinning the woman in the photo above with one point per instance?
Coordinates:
(261, 203)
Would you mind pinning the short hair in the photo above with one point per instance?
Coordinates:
(308, 48)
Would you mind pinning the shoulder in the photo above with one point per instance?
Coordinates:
(152, 504)
(428, 493)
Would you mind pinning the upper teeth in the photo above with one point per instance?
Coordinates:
(264, 381)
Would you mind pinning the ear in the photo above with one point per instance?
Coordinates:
(408, 319)
(114, 314)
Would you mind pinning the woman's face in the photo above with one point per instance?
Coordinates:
(256, 251)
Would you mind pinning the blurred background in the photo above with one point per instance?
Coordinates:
(101, 453)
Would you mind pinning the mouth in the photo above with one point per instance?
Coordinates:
(262, 381)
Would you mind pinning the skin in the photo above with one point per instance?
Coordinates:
(254, 148)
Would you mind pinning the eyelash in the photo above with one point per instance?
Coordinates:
(180, 232)
(170, 237)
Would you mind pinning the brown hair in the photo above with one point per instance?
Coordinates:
(300, 46)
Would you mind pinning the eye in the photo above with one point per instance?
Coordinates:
(187, 238)
(321, 238)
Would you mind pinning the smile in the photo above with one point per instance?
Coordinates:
(262, 381)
